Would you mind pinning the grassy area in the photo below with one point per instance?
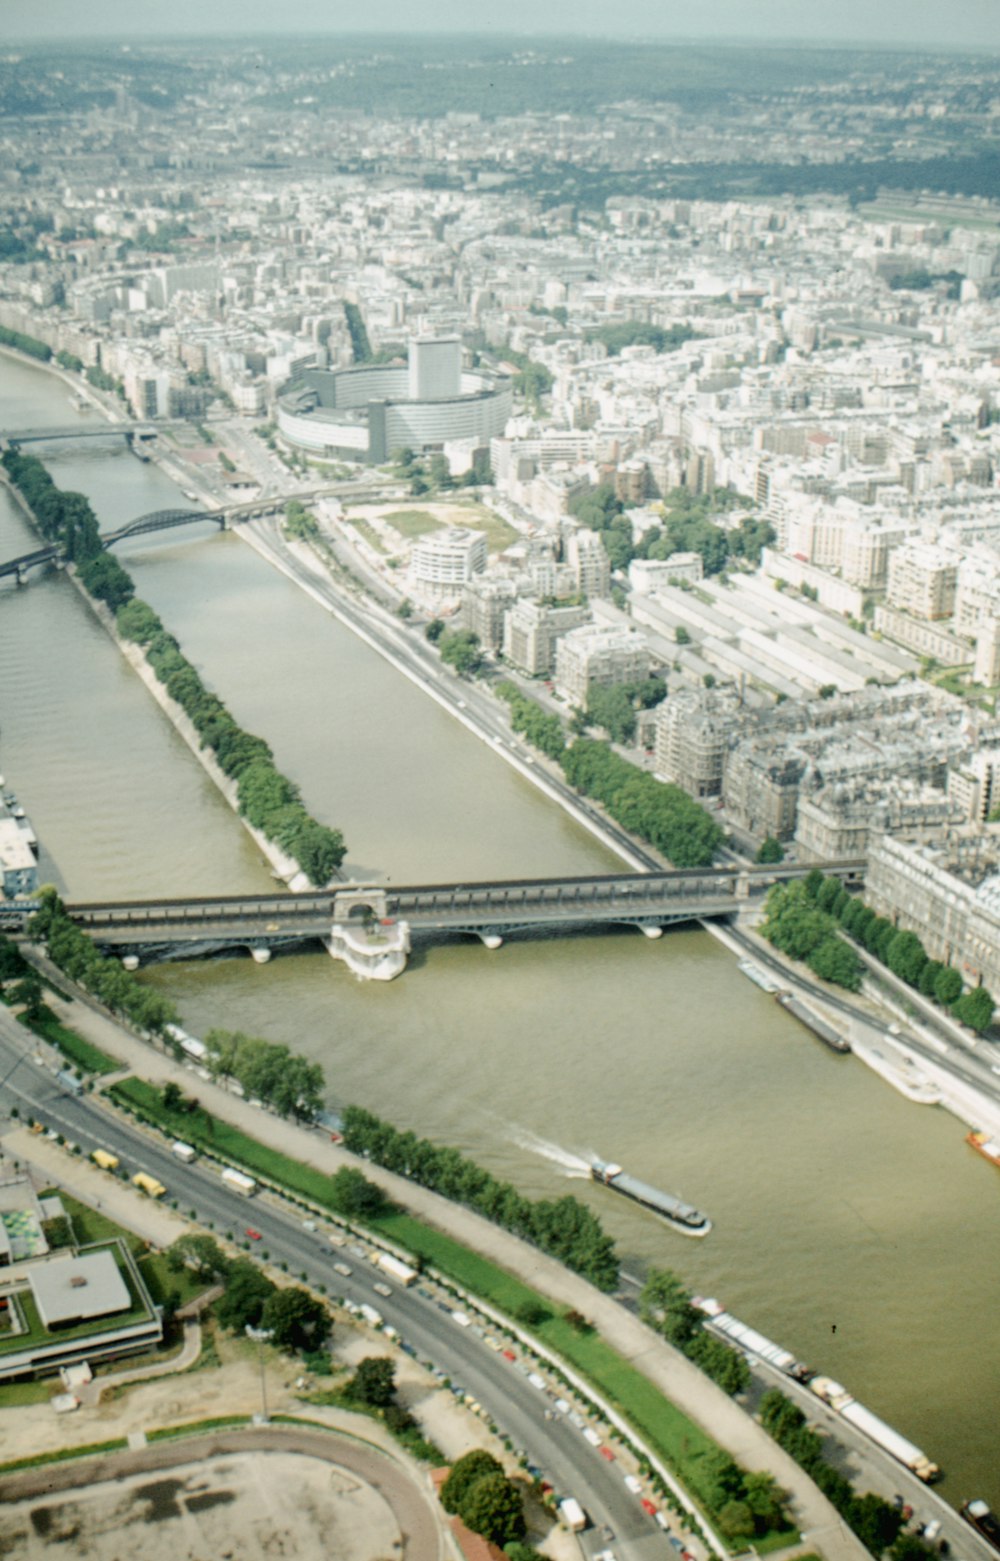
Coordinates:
(90, 1058)
(14, 1394)
(417, 523)
(412, 1438)
(204, 1131)
(167, 1433)
(61, 1454)
(371, 536)
(90, 1225)
(411, 522)
(160, 1280)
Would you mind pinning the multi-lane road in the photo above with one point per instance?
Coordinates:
(423, 1317)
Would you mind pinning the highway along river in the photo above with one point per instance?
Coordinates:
(855, 1228)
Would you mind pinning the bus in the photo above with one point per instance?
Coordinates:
(238, 1182)
(148, 1184)
(105, 1159)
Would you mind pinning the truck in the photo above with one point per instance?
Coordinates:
(401, 1272)
(105, 1159)
(237, 1181)
(69, 1081)
(183, 1152)
(572, 1514)
(148, 1184)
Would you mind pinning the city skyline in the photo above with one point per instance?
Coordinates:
(973, 24)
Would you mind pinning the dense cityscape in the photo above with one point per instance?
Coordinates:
(641, 406)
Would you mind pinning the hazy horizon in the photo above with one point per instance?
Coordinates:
(905, 24)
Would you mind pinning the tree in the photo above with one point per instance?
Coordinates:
(27, 993)
(493, 1508)
(472, 1466)
(928, 977)
(354, 1195)
(975, 1009)
(906, 957)
(834, 960)
(948, 987)
(296, 1319)
(373, 1383)
(199, 1253)
(736, 1520)
(460, 649)
(247, 1293)
(681, 635)
(171, 1096)
(771, 850)
(435, 629)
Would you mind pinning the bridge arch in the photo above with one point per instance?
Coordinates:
(359, 905)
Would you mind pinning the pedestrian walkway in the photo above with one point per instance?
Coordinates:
(95, 1389)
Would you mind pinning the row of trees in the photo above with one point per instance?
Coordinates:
(29, 344)
(64, 518)
(459, 648)
(656, 811)
(633, 333)
(565, 1228)
(267, 1071)
(295, 1319)
(797, 926)
(876, 1523)
(666, 1306)
(542, 730)
(819, 899)
(76, 956)
(267, 799)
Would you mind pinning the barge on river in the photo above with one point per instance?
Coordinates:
(689, 1221)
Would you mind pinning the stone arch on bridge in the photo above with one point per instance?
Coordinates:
(359, 905)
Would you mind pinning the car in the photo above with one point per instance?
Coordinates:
(308, 1224)
(508, 1355)
(932, 1530)
(606, 1454)
(253, 1234)
(632, 1483)
(648, 1506)
(676, 1543)
(381, 1289)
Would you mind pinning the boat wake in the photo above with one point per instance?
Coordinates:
(573, 1165)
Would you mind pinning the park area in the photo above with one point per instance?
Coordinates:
(396, 528)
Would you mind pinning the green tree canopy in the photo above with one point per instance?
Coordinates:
(296, 1319)
(373, 1383)
(472, 1466)
(247, 1293)
(493, 1507)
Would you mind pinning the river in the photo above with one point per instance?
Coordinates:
(855, 1228)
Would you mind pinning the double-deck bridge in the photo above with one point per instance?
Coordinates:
(370, 915)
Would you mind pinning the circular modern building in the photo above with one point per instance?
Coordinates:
(367, 412)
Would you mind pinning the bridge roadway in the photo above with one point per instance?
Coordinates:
(173, 929)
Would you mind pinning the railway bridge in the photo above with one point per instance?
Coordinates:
(371, 926)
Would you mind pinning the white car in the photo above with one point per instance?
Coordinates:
(634, 1484)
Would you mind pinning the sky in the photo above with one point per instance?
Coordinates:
(973, 24)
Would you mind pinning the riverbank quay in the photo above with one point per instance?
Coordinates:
(75, 382)
(968, 1086)
(669, 1372)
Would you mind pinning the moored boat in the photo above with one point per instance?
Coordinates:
(989, 1148)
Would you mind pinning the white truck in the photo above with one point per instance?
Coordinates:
(183, 1152)
(394, 1268)
(572, 1514)
(238, 1182)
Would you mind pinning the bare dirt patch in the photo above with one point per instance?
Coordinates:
(233, 1507)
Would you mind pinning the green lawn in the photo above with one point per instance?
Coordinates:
(90, 1225)
(204, 1131)
(90, 1058)
(417, 523)
(411, 522)
(371, 536)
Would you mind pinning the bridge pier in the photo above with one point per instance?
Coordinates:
(650, 930)
(260, 955)
(490, 940)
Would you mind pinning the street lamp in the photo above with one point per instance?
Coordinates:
(262, 1336)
